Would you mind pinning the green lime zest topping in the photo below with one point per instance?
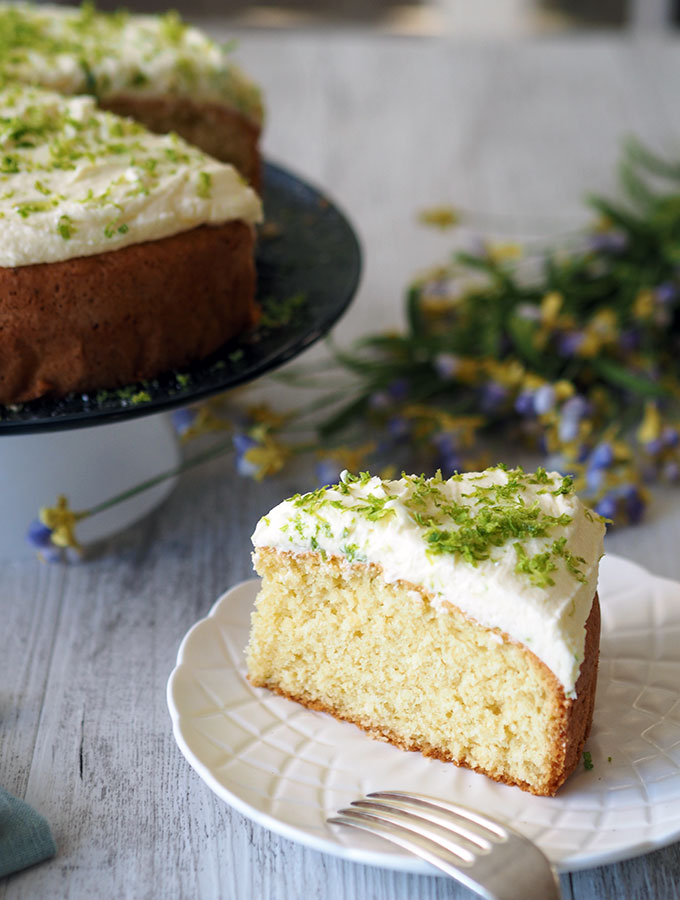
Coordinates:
(65, 227)
(572, 562)
(204, 186)
(567, 486)
(172, 27)
(374, 507)
(588, 761)
(276, 313)
(350, 551)
(490, 526)
(34, 42)
(537, 567)
(469, 523)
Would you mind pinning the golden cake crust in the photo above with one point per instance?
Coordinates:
(113, 318)
(215, 128)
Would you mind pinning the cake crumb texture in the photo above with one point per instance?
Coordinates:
(336, 636)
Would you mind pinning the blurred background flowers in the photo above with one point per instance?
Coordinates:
(568, 353)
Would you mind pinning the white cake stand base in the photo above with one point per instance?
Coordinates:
(88, 465)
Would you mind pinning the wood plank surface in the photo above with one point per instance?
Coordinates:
(386, 126)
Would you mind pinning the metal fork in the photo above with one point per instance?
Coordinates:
(490, 859)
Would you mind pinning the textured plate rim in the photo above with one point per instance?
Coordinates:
(400, 862)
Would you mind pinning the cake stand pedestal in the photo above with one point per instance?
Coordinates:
(88, 465)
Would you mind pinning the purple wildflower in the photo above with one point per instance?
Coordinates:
(607, 506)
(398, 427)
(446, 365)
(448, 455)
(380, 400)
(629, 339)
(654, 447)
(544, 399)
(243, 443)
(666, 293)
(612, 241)
(670, 436)
(570, 419)
(570, 342)
(39, 535)
(595, 480)
(327, 472)
(524, 403)
(183, 419)
(493, 396)
(602, 456)
(634, 504)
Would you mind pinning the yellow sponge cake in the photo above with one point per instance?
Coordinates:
(456, 617)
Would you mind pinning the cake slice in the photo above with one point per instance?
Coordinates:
(123, 253)
(455, 617)
(166, 74)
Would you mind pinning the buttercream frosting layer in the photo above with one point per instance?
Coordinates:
(79, 50)
(515, 551)
(76, 181)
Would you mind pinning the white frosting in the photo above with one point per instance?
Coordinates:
(77, 50)
(388, 523)
(75, 181)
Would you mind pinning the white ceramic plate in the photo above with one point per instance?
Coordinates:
(289, 768)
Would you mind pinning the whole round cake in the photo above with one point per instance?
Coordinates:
(458, 617)
(123, 253)
(157, 69)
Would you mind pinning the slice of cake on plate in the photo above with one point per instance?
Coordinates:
(123, 253)
(456, 617)
(164, 73)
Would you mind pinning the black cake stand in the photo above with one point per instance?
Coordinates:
(308, 265)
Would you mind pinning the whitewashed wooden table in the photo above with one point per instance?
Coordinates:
(387, 126)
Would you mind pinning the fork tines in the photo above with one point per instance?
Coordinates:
(491, 859)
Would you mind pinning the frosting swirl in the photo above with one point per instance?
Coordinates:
(76, 181)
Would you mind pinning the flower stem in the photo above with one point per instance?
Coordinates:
(196, 460)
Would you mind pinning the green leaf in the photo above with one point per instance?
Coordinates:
(414, 313)
(621, 377)
(642, 156)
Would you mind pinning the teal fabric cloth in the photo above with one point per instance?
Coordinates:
(25, 837)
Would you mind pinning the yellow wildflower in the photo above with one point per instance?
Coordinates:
(267, 457)
(600, 331)
(263, 414)
(651, 425)
(206, 420)
(439, 217)
(551, 304)
(505, 252)
(61, 520)
(510, 373)
(350, 458)
(643, 305)
(564, 389)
